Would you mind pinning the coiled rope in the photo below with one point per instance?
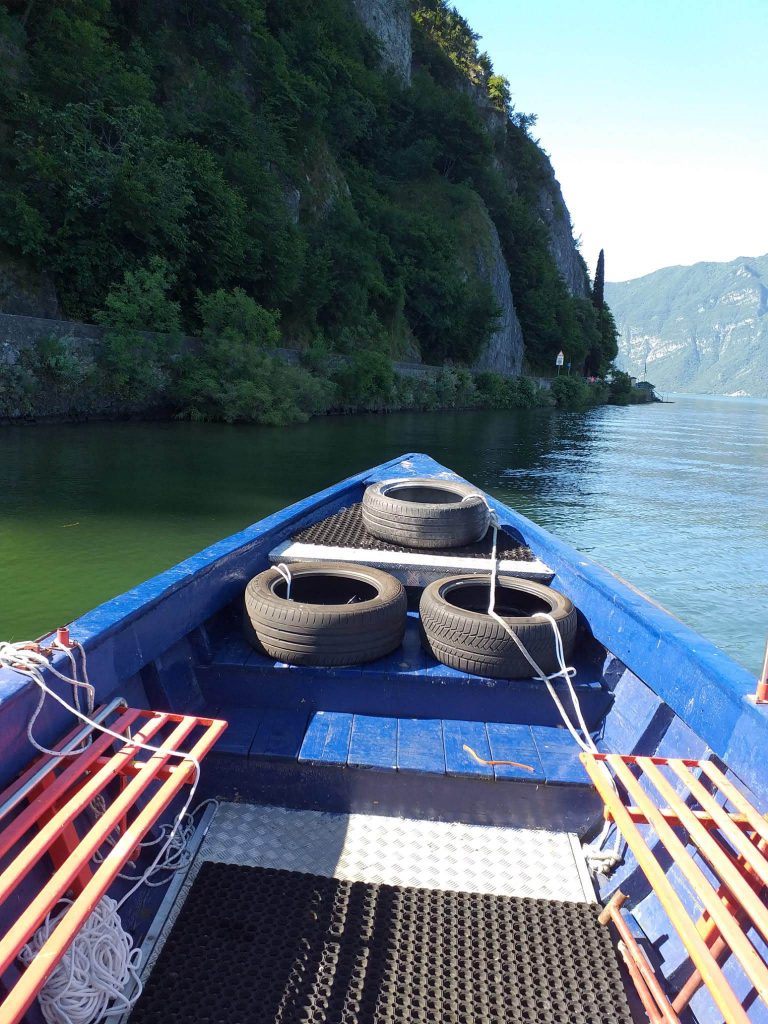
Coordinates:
(599, 861)
(88, 982)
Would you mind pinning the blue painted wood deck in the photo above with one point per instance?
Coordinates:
(326, 740)
(409, 683)
(433, 747)
(403, 767)
(420, 745)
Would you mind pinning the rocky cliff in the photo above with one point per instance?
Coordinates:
(701, 329)
(504, 350)
(567, 257)
(390, 22)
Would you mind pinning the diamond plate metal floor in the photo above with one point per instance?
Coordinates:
(424, 854)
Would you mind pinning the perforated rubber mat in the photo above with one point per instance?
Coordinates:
(262, 946)
(345, 529)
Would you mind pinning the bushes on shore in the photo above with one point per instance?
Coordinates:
(144, 333)
(231, 374)
(577, 393)
(49, 367)
(232, 377)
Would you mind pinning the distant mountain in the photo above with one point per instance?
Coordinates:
(700, 329)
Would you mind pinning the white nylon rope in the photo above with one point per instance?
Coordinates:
(88, 982)
(18, 656)
(598, 860)
(285, 572)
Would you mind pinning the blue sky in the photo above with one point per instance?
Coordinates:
(655, 115)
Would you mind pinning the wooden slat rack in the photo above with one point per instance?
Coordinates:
(49, 829)
(698, 817)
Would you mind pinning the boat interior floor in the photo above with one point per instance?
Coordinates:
(295, 915)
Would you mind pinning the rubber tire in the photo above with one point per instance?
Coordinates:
(300, 633)
(415, 524)
(474, 642)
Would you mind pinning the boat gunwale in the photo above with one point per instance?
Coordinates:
(704, 687)
(105, 621)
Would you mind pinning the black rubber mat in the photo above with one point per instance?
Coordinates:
(345, 529)
(260, 946)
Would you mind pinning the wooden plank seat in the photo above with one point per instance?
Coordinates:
(718, 842)
(430, 747)
(48, 829)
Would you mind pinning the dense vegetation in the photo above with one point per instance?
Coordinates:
(243, 170)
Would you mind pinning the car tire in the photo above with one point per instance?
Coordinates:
(338, 614)
(458, 631)
(425, 513)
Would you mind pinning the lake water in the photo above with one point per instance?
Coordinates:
(672, 497)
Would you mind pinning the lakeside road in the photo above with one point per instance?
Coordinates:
(671, 497)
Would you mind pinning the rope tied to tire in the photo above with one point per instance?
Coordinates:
(598, 860)
(285, 572)
(324, 613)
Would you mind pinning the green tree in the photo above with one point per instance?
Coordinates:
(620, 387)
(232, 377)
(500, 93)
(367, 381)
(237, 318)
(144, 333)
(141, 301)
(598, 288)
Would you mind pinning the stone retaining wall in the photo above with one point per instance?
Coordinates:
(22, 333)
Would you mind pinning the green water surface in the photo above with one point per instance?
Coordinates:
(672, 497)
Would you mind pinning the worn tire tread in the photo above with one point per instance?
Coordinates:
(423, 524)
(331, 635)
(476, 643)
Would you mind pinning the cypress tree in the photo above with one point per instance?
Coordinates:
(598, 288)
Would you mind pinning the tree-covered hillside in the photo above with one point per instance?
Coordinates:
(261, 148)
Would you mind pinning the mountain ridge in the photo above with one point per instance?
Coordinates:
(698, 328)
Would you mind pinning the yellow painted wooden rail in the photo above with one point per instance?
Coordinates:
(706, 815)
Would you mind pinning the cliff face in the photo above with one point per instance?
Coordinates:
(567, 258)
(701, 329)
(390, 22)
(504, 350)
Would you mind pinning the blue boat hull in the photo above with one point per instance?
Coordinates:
(386, 737)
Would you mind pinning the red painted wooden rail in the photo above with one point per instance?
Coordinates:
(55, 830)
(709, 817)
